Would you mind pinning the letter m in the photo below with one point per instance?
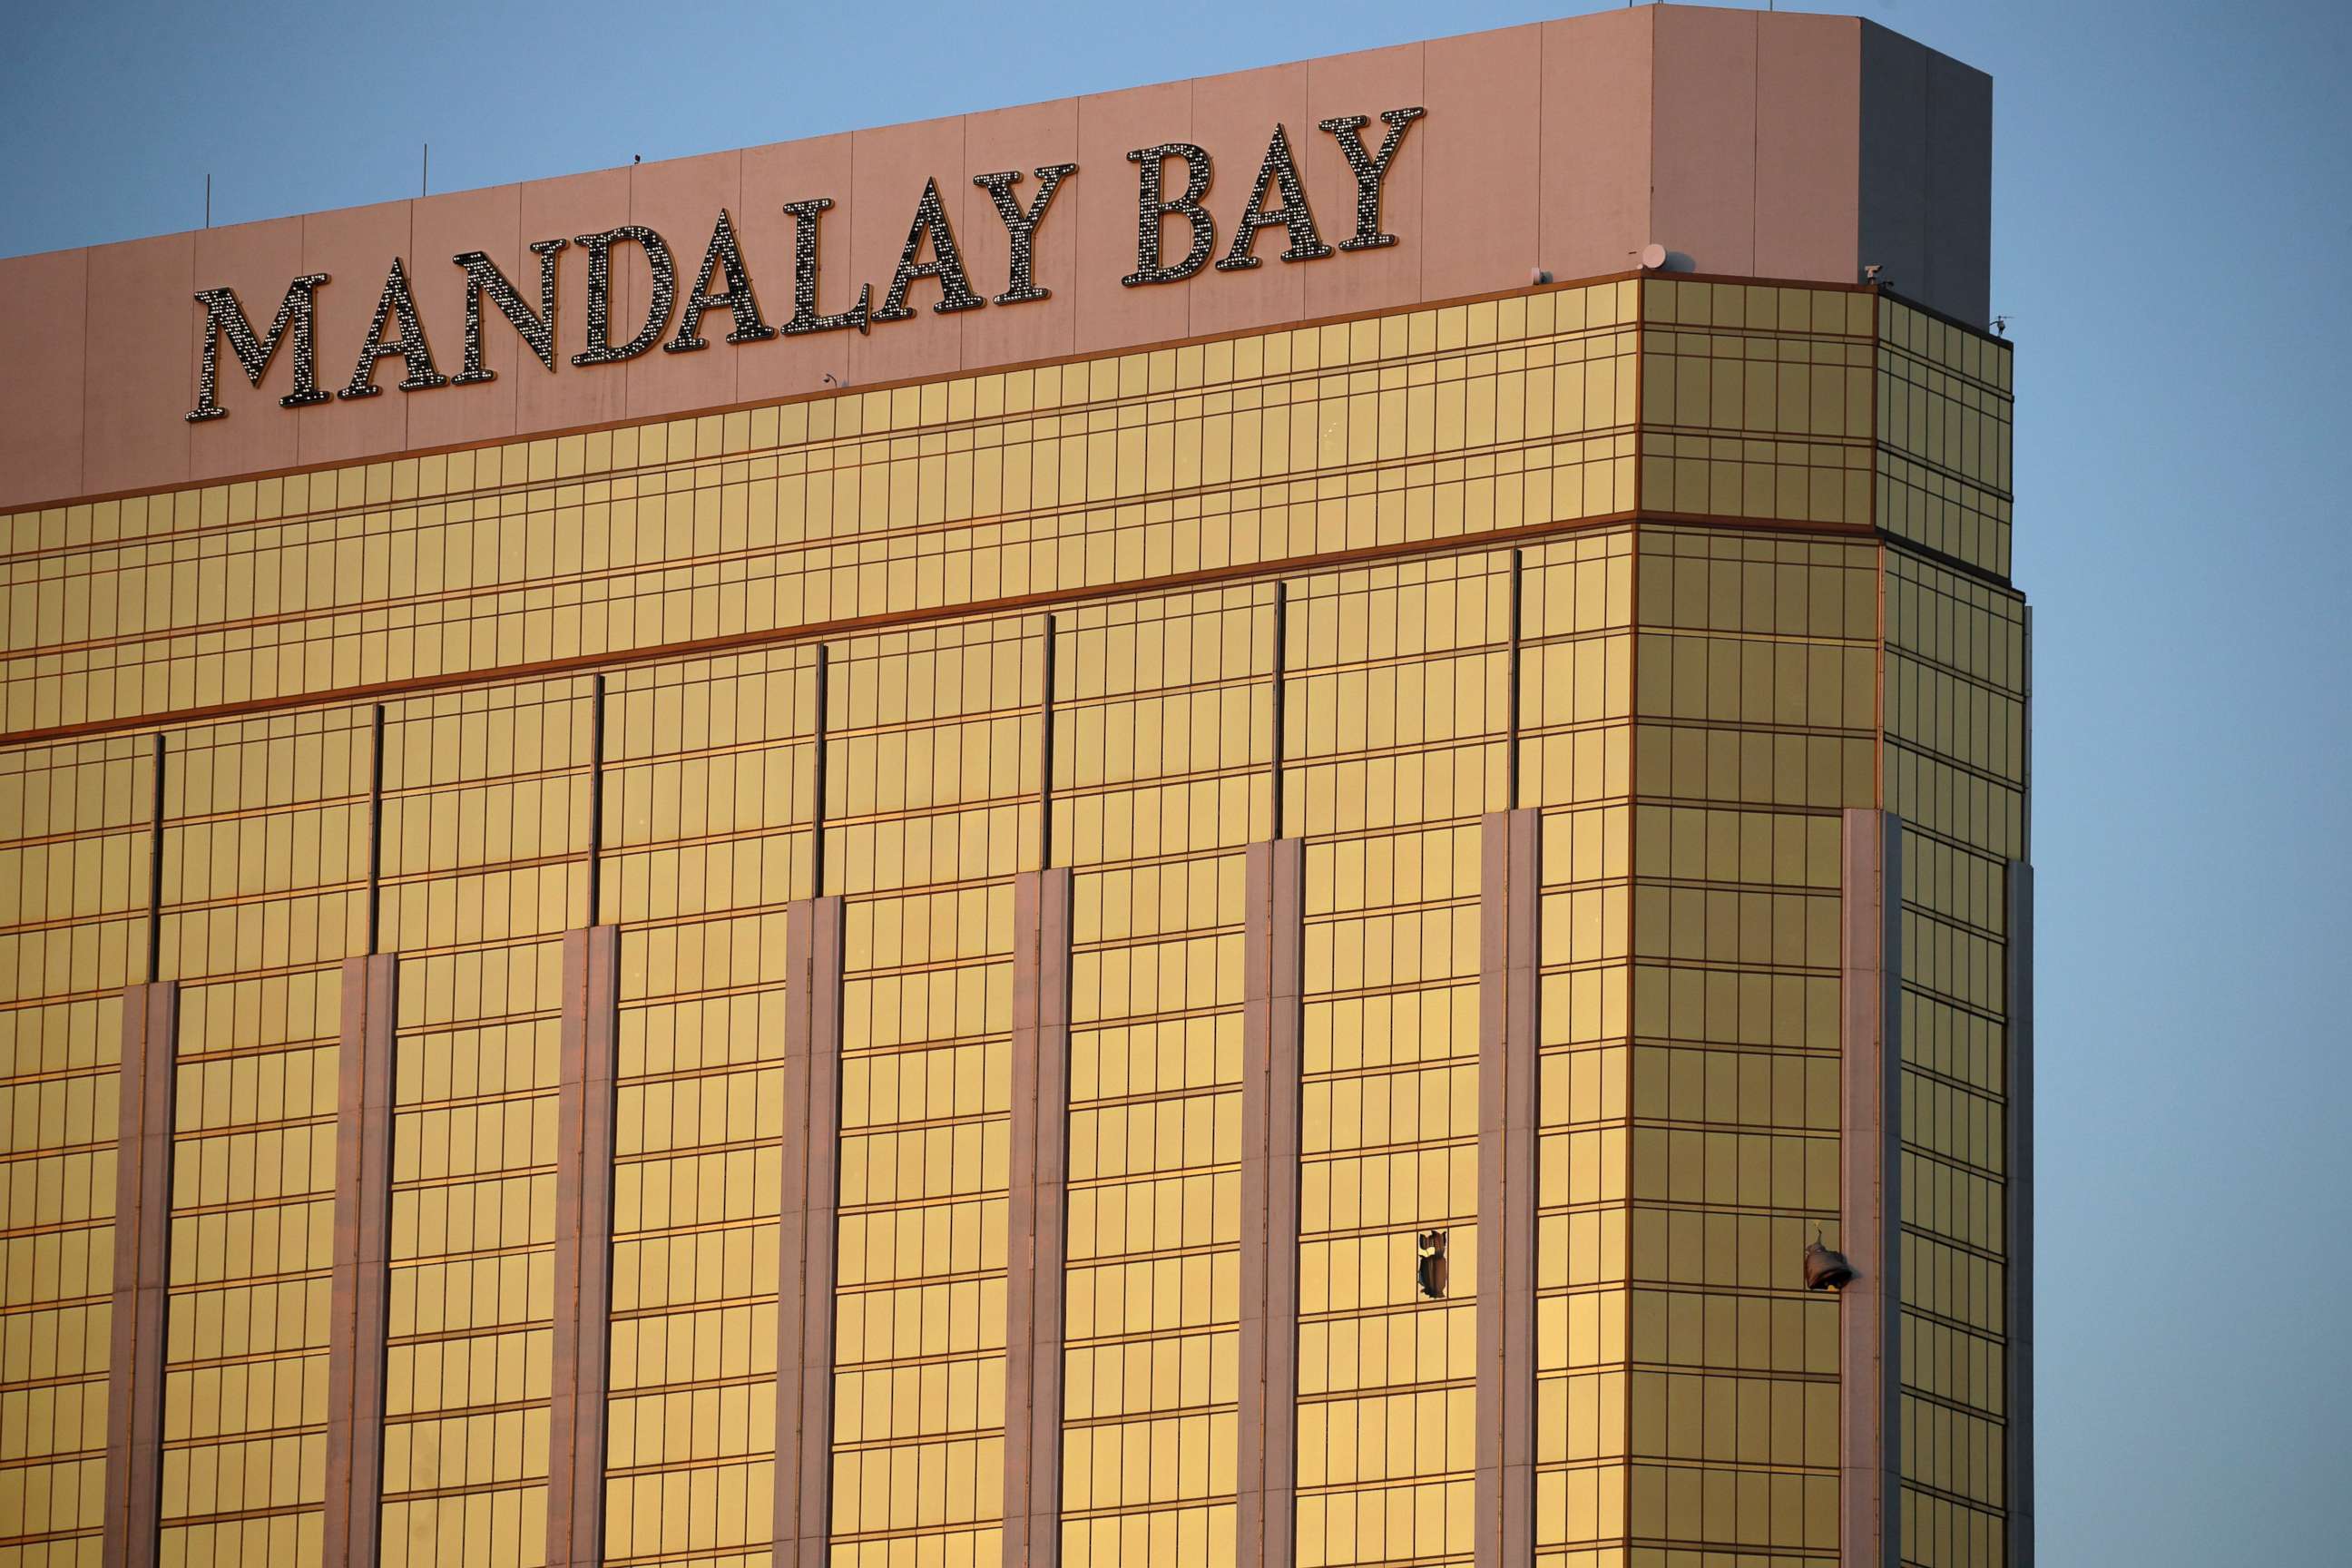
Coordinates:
(224, 317)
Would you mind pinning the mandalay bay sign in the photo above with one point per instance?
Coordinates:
(1173, 179)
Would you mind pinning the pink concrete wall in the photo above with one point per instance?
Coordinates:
(1598, 91)
(1736, 138)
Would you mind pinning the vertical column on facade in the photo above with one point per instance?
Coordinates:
(142, 1230)
(1509, 876)
(1267, 1421)
(1036, 1211)
(361, 1277)
(2017, 1172)
(1870, 1122)
(584, 1248)
(807, 1230)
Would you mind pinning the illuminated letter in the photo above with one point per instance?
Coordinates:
(1021, 227)
(600, 350)
(741, 304)
(224, 317)
(806, 215)
(1154, 212)
(410, 345)
(946, 263)
(1294, 213)
(1369, 170)
(483, 276)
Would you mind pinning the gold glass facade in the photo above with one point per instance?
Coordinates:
(1687, 569)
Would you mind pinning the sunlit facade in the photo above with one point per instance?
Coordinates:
(1265, 950)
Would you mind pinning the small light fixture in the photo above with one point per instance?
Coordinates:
(1826, 1268)
(1429, 1271)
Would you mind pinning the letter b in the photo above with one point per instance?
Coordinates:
(1154, 209)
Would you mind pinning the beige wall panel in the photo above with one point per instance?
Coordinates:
(258, 260)
(1925, 184)
(887, 171)
(1808, 114)
(679, 200)
(1509, 953)
(1111, 125)
(1364, 84)
(1244, 108)
(565, 209)
(1036, 1214)
(143, 1231)
(1703, 146)
(139, 369)
(1870, 1200)
(773, 174)
(355, 246)
(45, 315)
(490, 221)
(1267, 1421)
(1596, 142)
(579, 1359)
(1958, 273)
(361, 1282)
(806, 1239)
(1025, 139)
(1480, 186)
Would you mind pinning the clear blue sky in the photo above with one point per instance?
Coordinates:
(2172, 216)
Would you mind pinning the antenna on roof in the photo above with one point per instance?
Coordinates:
(425, 175)
(208, 201)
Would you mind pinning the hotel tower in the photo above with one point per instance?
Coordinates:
(1272, 822)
